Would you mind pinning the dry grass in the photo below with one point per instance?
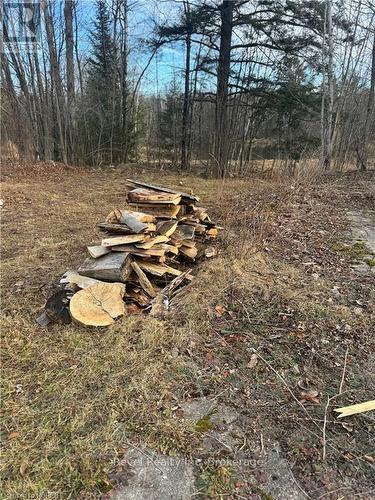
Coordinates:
(70, 393)
(73, 396)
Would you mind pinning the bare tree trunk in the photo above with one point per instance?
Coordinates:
(55, 72)
(80, 76)
(124, 81)
(327, 88)
(192, 100)
(185, 130)
(69, 43)
(221, 149)
(323, 97)
(19, 71)
(45, 140)
(8, 80)
(363, 160)
(346, 78)
(330, 77)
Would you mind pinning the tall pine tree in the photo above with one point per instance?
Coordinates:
(103, 93)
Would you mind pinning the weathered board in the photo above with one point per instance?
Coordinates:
(143, 280)
(140, 195)
(160, 210)
(186, 197)
(133, 223)
(112, 267)
(122, 240)
(97, 251)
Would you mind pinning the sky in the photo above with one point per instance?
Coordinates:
(168, 63)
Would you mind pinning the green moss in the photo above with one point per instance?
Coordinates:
(204, 424)
(259, 491)
(216, 481)
(370, 262)
(356, 250)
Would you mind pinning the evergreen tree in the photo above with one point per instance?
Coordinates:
(296, 104)
(170, 129)
(103, 93)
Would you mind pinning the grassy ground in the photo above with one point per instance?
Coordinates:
(282, 284)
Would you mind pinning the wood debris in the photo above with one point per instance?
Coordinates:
(74, 280)
(346, 411)
(110, 267)
(56, 309)
(144, 259)
(97, 251)
(99, 304)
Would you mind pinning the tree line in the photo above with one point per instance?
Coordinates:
(253, 80)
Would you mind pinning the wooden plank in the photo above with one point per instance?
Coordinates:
(153, 241)
(97, 251)
(200, 212)
(199, 228)
(114, 228)
(169, 248)
(157, 252)
(123, 240)
(143, 280)
(115, 216)
(133, 223)
(111, 267)
(140, 195)
(190, 252)
(159, 269)
(356, 409)
(210, 223)
(73, 278)
(160, 304)
(188, 243)
(138, 296)
(185, 196)
(176, 240)
(166, 227)
(158, 210)
(212, 233)
(186, 231)
(122, 228)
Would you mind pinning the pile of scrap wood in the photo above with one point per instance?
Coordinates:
(143, 259)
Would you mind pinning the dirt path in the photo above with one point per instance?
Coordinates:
(362, 224)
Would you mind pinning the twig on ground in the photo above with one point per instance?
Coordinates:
(344, 370)
(324, 431)
(298, 485)
(324, 452)
(294, 397)
(261, 443)
(283, 381)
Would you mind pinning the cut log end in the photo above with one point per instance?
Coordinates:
(98, 305)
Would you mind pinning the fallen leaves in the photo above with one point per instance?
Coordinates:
(219, 310)
(311, 396)
(253, 361)
(14, 435)
(209, 357)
